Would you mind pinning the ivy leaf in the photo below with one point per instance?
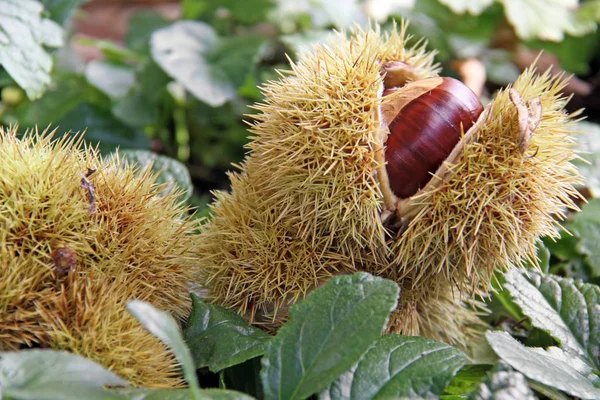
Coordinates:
(472, 7)
(181, 49)
(327, 334)
(546, 19)
(164, 327)
(23, 35)
(553, 367)
(53, 375)
(399, 367)
(587, 225)
(503, 383)
(569, 311)
(220, 338)
(171, 172)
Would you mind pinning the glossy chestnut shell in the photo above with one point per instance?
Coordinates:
(432, 115)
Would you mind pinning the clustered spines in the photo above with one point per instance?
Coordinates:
(133, 244)
(490, 211)
(259, 265)
(90, 317)
(442, 314)
(313, 176)
(311, 166)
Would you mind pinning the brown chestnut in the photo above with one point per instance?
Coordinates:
(426, 119)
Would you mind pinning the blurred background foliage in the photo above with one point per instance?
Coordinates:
(172, 81)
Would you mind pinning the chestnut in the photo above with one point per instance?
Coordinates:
(426, 120)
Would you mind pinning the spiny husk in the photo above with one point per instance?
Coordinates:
(307, 203)
(442, 313)
(313, 200)
(492, 204)
(136, 245)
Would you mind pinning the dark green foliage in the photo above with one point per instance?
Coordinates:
(577, 253)
(332, 344)
(220, 338)
(399, 367)
(333, 334)
(568, 311)
(327, 334)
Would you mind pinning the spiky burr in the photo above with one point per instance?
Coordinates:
(313, 197)
(79, 237)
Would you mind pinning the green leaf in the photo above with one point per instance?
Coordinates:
(53, 375)
(444, 29)
(23, 35)
(474, 7)
(181, 394)
(499, 66)
(237, 57)
(192, 9)
(327, 334)
(140, 27)
(304, 41)
(153, 82)
(245, 377)
(61, 11)
(69, 91)
(399, 367)
(574, 53)
(113, 52)
(134, 110)
(181, 50)
(553, 367)
(545, 19)
(567, 310)
(467, 379)
(246, 12)
(587, 225)
(544, 256)
(589, 147)
(590, 10)
(171, 172)
(503, 383)
(339, 13)
(563, 248)
(220, 338)
(113, 80)
(102, 127)
(163, 326)
(502, 303)
(218, 394)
